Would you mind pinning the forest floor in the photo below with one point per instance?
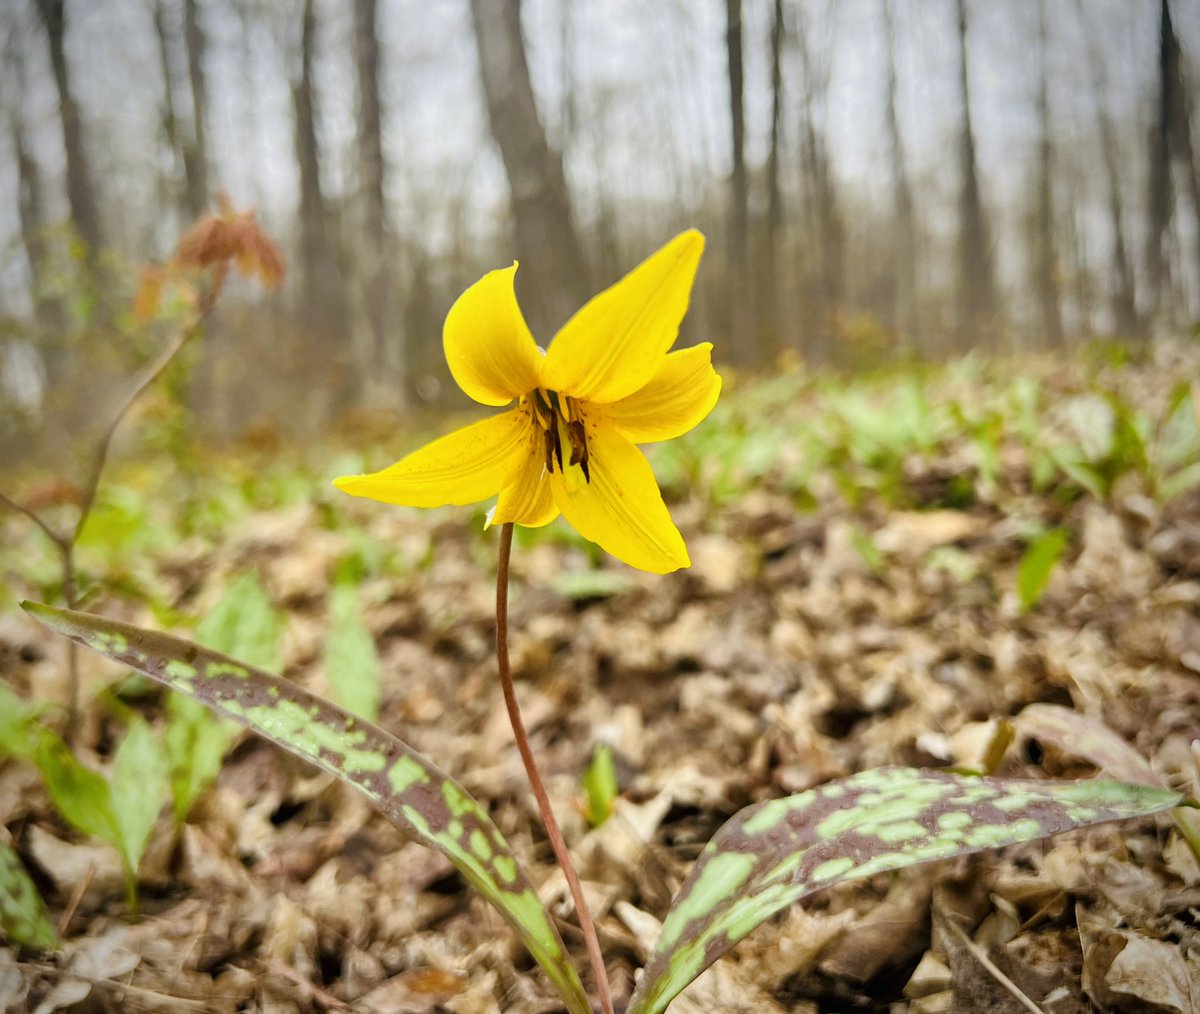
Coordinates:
(884, 569)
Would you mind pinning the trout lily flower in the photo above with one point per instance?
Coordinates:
(568, 445)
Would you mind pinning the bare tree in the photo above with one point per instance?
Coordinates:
(1045, 270)
(320, 304)
(81, 194)
(739, 193)
(554, 276)
(313, 231)
(1125, 314)
(904, 290)
(195, 151)
(976, 287)
(170, 118)
(381, 360)
(767, 273)
(31, 184)
(185, 141)
(823, 211)
(1171, 141)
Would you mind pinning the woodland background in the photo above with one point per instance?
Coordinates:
(953, 279)
(877, 178)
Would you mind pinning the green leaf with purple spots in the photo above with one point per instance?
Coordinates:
(1077, 735)
(406, 787)
(771, 854)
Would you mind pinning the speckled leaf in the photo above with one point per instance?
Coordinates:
(402, 784)
(1077, 735)
(771, 854)
(23, 915)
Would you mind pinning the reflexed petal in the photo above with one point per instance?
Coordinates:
(620, 509)
(681, 394)
(466, 466)
(615, 344)
(527, 499)
(489, 349)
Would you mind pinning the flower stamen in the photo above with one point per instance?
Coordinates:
(558, 415)
(579, 452)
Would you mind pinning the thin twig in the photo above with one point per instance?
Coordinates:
(65, 544)
(977, 953)
(33, 516)
(147, 377)
(64, 921)
(599, 973)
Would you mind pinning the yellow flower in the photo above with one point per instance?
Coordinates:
(608, 381)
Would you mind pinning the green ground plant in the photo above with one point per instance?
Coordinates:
(875, 439)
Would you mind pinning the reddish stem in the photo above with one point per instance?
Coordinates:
(599, 973)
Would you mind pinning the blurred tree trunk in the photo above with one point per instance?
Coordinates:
(554, 280)
(767, 275)
(1126, 319)
(382, 360)
(823, 211)
(904, 301)
(195, 152)
(1160, 162)
(191, 196)
(170, 118)
(1046, 273)
(1172, 140)
(53, 347)
(976, 287)
(31, 196)
(739, 198)
(81, 195)
(31, 203)
(319, 296)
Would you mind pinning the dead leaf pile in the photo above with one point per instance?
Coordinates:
(809, 640)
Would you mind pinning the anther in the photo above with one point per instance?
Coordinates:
(579, 453)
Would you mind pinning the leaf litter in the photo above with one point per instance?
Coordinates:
(855, 601)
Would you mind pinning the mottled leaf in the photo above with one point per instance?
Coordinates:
(771, 854)
(401, 783)
(23, 915)
(243, 624)
(1077, 735)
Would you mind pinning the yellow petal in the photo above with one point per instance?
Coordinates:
(615, 344)
(681, 394)
(620, 509)
(466, 466)
(527, 499)
(489, 349)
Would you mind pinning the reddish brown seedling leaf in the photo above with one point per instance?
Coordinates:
(231, 236)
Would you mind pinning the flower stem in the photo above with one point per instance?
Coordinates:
(599, 972)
